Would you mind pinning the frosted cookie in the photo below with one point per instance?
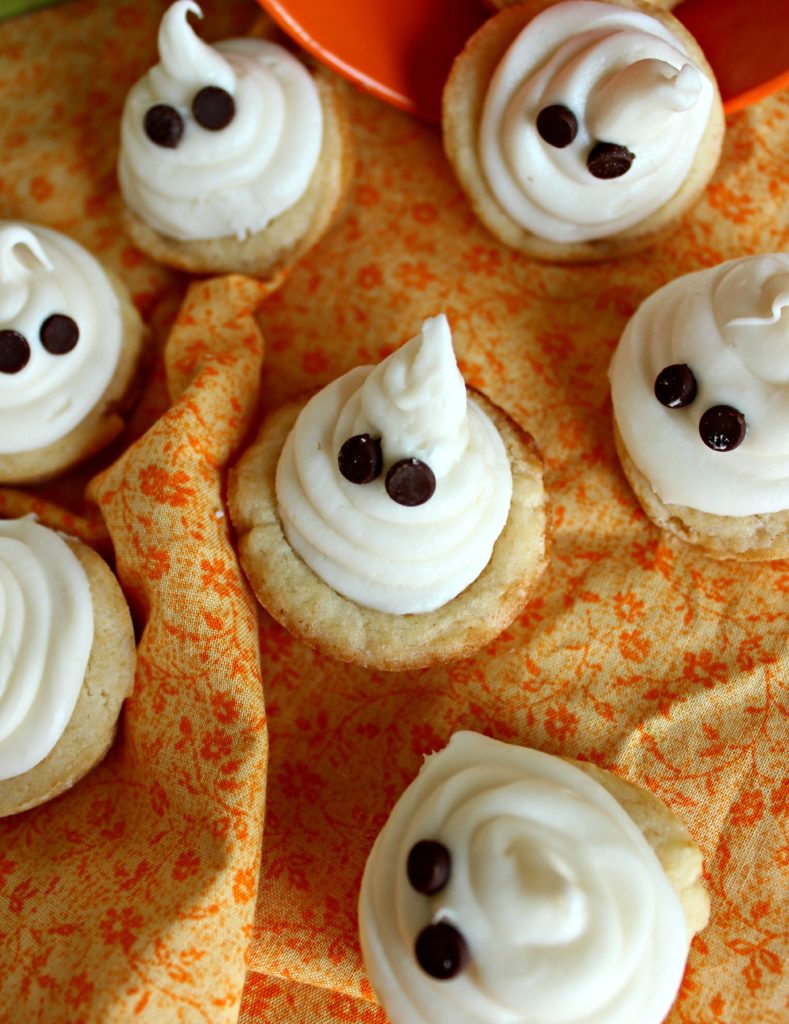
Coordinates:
(700, 390)
(391, 520)
(582, 130)
(233, 157)
(512, 886)
(66, 662)
(70, 348)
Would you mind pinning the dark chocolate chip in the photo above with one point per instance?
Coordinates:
(360, 459)
(429, 865)
(608, 160)
(441, 951)
(164, 125)
(675, 386)
(14, 351)
(557, 125)
(59, 334)
(213, 108)
(722, 428)
(410, 482)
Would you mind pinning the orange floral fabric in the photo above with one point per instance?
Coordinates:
(144, 894)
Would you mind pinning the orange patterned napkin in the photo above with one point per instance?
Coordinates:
(132, 898)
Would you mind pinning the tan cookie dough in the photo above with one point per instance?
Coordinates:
(297, 598)
(464, 97)
(679, 856)
(109, 679)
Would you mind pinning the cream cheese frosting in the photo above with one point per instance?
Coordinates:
(628, 81)
(46, 635)
(730, 325)
(230, 182)
(364, 545)
(566, 912)
(44, 273)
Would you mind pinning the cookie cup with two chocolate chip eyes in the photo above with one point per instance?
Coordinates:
(294, 595)
(541, 200)
(700, 399)
(248, 196)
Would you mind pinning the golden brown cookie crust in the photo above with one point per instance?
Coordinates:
(754, 538)
(267, 253)
(109, 679)
(103, 423)
(679, 856)
(463, 100)
(306, 606)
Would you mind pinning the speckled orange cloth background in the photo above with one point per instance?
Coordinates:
(133, 898)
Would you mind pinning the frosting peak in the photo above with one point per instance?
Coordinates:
(637, 102)
(15, 271)
(415, 400)
(186, 63)
(394, 557)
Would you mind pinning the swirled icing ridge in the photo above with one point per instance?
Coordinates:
(46, 635)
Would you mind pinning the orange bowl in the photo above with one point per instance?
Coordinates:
(402, 51)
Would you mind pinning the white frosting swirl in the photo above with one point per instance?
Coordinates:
(228, 182)
(628, 81)
(566, 911)
(354, 536)
(43, 272)
(46, 635)
(730, 325)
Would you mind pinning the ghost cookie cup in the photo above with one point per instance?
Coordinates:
(233, 157)
(700, 392)
(582, 130)
(70, 348)
(67, 661)
(391, 520)
(512, 886)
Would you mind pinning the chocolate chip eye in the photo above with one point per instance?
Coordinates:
(360, 459)
(59, 334)
(14, 351)
(441, 950)
(722, 428)
(164, 125)
(429, 866)
(410, 482)
(213, 108)
(608, 160)
(675, 386)
(557, 125)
